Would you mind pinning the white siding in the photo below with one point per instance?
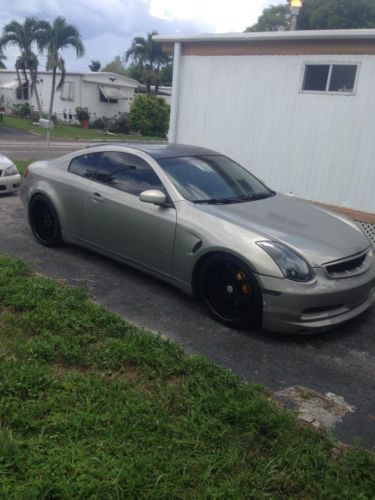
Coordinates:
(86, 94)
(90, 99)
(59, 105)
(318, 147)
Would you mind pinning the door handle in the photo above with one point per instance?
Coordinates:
(97, 197)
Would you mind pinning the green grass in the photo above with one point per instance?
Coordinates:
(92, 407)
(22, 164)
(73, 132)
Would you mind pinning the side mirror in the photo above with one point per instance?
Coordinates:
(153, 196)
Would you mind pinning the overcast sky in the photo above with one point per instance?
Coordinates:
(108, 26)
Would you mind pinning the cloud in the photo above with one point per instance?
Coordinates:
(108, 26)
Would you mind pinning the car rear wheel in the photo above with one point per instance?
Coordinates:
(44, 221)
(230, 291)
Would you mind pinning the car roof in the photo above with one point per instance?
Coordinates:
(162, 150)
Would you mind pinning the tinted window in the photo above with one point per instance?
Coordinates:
(201, 178)
(316, 76)
(85, 165)
(127, 172)
(343, 78)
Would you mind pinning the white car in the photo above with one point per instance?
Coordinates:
(10, 179)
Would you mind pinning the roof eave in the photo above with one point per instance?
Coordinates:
(361, 34)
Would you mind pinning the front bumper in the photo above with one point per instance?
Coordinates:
(293, 307)
(10, 184)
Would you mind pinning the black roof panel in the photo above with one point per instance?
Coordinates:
(162, 150)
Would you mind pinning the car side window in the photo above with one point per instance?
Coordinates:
(85, 165)
(127, 173)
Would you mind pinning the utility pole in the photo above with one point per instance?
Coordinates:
(295, 6)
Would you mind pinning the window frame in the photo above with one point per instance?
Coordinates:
(100, 153)
(71, 91)
(104, 100)
(330, 64)
(24, 91)
(90, 179)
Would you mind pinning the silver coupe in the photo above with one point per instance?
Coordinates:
(203, 223)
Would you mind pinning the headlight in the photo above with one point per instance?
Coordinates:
(290, 263)
(12, 170)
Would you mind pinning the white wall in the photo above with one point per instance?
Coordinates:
(44, 89)
(90, 99)
(319, 147)
(86, 94)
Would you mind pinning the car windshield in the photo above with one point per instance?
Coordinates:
(213, 179)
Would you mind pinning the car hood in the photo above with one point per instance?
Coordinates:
(317, 235)
(5, 162)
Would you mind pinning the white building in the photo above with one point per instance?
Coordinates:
(104, 94)
(295, 108)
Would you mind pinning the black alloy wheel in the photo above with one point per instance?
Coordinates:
(230, 291)
(44, 221)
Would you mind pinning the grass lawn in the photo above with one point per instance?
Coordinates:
(73, 132)
(22, 164)
(91, 406)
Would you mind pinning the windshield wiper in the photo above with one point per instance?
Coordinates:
(256, 196)
(218, 201)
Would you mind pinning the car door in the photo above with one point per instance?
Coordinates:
(73, 189)
(120, 223)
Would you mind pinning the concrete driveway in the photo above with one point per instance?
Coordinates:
(341, 362)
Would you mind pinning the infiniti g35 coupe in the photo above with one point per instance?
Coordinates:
(203, 223)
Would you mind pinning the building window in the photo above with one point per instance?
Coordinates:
(109, 100)
(67, 91)
(22, 92)
(330, 78)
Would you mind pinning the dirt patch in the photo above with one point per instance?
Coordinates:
(319, 410)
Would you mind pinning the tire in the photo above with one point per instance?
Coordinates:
(44, 221)
(230, 291)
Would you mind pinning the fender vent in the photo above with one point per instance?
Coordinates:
(369, 229)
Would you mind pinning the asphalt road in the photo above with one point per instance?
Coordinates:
(21, 145)
(341, 361)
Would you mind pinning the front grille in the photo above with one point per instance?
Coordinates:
(347, 267)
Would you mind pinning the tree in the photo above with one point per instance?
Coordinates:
(2, 58)
(60, 36)
(148, 54)
(136, 71)
(166, 74)
(25, 36)
(320, 14)
(95, 66)
(116, 66)
(272, 19)
(149, 115)
(334, 14)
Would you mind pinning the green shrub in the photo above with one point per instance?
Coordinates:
(121, 124)
(102, 123)
(82, 114)
(149, 115)
(23, 110)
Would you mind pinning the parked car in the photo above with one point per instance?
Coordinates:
(203, 223)
(10, 179)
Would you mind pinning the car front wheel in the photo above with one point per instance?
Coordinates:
(44, 221)
(230, 291)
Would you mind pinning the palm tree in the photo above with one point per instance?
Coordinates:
(2, 57)
(148, 54)
(60, 36)
(24, 36)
